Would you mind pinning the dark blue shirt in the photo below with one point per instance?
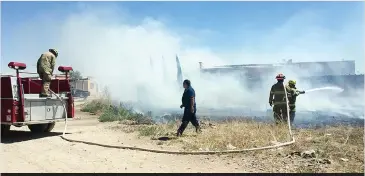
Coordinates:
(186, 98)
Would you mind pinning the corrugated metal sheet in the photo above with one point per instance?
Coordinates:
(325, 68)
(310, 68)
(343, 81)
(336, 73)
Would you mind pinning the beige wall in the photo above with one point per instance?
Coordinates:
(88, 85)
(93, 88)
(81, 84)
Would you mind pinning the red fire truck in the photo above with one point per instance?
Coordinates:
(21, 104)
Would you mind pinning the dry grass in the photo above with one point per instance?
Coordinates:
(240, 135)
(336, 149)
(342, 146)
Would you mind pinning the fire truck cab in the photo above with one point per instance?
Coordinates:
(21, 104)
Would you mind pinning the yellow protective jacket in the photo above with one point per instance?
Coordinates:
(292, 94)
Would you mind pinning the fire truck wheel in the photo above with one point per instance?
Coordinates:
(4, 129)
(39, 128)
(50, 127)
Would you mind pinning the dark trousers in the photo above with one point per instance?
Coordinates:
(292, 114)
(188, 117)
(280, 114)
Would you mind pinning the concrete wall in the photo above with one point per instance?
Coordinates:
(93, 88)
(325, 68)
(85, 84)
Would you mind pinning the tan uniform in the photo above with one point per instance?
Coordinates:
(45, 67)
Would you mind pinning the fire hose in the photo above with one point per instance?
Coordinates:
(180, 152)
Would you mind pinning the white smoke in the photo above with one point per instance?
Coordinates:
(116, 50)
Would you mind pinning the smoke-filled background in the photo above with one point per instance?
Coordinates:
(131, 47)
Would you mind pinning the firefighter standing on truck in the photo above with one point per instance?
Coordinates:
(277, 98)
(292, 97)
(188, 102)
(45, 67)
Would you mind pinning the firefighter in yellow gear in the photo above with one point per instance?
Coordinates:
(277, 98)
(292, 97)
(45, 67)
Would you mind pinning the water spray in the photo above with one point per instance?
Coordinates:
(337, 89)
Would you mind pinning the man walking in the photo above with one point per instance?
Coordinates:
(188, 102)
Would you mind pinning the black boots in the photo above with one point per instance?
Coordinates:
(198, 129)
(45, 96)
(178, 134)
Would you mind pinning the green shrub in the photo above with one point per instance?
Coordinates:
(109, 116)
(149, 130)
(110, 112)
(159, 130)
(95, 106)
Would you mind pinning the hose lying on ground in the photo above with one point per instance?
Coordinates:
(181, 152)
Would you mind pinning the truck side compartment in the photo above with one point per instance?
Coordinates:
(22, 95)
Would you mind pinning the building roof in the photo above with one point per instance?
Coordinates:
(281, 64)
(290, 62)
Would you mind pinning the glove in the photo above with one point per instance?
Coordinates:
(270, 104)
(302, 92)
(181, 106)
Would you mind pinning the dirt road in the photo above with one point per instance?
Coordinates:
(23, 151)
(26, 152)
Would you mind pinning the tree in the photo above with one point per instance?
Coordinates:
(75, 75)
